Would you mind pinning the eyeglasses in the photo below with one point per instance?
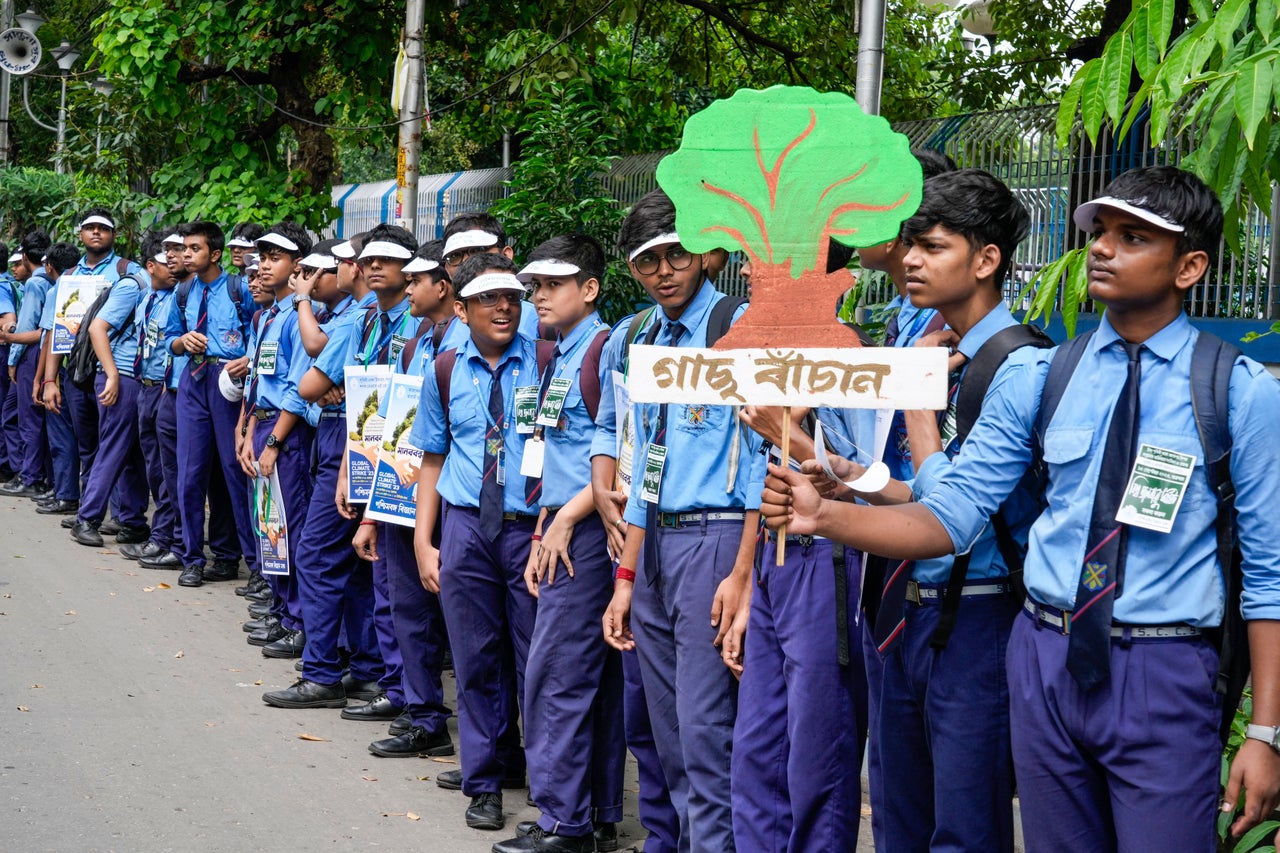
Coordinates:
(677, 257)
(490, 297)
(457, 256)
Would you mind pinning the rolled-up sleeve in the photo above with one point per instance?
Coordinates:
(1255, 471)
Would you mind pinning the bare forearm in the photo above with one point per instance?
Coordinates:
(1264, 661)
(99, 336)
(905, 532)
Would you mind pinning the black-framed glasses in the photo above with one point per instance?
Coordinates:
(457, 256)
(490, 297)
(677, 257)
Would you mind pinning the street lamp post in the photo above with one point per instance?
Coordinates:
(66, 56)
(103, 87)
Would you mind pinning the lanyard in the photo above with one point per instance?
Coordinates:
(94, 270)
(398, 326)
(921, 319)
(565, 358)
(484, 403)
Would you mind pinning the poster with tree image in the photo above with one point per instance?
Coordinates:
(365, 387)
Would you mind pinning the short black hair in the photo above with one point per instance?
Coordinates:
(653, 215)
(477, 264)
(250, 231)
(433, 250)
(34, 244)
(62, 257)
(933, 162)
(976, 205)
(382, 232)
(1178, 196)
(581, 250)
(477, 220)
(4, 253)
(292, 231)
(99, 211)
(210, 231)
(152, 245)
(325, 247)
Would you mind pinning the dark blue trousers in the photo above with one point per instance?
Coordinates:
(84, 417)
(224, 542)
(335, 590)
(35, 446)
(293, 467)
(692, 695)
(1130, 766)
(798, 740)
(206, 439)
(166, 511)
(657, 815)
(419, 627)
(943, 729)
(10, 440)
(384, 630)
(573, 732)
(873, 667)
(121, 460)
(490, 615)
(63, 447)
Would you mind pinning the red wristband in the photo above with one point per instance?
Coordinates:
(537, 537)
(624, 574)
(363, 523)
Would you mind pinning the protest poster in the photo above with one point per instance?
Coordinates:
(75, 294)
(395, 481)
(365, 387)
(270, 527)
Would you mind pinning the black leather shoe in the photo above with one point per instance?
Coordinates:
(60, 508)
(164, 560)
(298, 665)
(606, 835)
(222, 570)
(536, 840)
(263, 594)
(287, 647)
(67, 523)
(485, 812)
(307, 694)
(191, 575)
(267, 636)
(86, 533)
(413, 743)
(365, 691)
(136, 551)
(110, 527)
(45, 496)
(378, 709)
(132, 535)
(259, 624)
(451, 780)
(400, 725)
(256, 582)
(259, 609)
(21, 490)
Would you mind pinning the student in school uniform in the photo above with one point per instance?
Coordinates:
(273, 426)
(242, 243)
(24, 358)
(1113, 712)
(211, 329)
(698, 537)
(477, 233)
(375, 335)
(10, 300)
(415, 611)
(573, 682)
(151, 364)
(487, 525)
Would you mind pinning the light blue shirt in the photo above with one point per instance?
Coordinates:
(567, 460)
(332, 359)
(276, 389)
(470, 385)
(226, 331)
(1169, 577)
(9, 297)
(710, 455)
(425, 354)
(605, 440)
(118, 312)
(35, 292)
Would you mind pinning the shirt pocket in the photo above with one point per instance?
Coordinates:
(1065, 446)
(572, 414)
(1188, 444)
(697, 418)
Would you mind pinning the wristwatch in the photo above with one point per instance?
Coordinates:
(1270, 735)
(272, 441)
(298, 300)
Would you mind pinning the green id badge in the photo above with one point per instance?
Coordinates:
(397, 346)
(1157, 485)
(266, 365)
(654, 461)
(553, 403)
(526, 409)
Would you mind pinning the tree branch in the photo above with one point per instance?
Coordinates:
(722, 15)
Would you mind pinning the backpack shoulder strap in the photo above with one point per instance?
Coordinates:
(1061, 367)
(722, 317)
(982, 370)
(589, 375)
(122, 267)
(444, 378)
(544, 349)
(633, 332)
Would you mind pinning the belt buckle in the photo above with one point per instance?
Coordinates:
(668, 519)
(804, 540)
(913, 592)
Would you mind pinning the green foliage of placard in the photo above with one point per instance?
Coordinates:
(776, 172)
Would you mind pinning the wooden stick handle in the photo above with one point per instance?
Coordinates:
(786, 459)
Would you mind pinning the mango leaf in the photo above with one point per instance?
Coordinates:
(1067, 109)
(1146, 55)
(1258, 834)
(1172, 73)
(1253, 95)
(1092, 100)
(1228, 20)
(1264, 17)
(1140, 100)
(772, 173)
(1117, 65)
(1160, 14)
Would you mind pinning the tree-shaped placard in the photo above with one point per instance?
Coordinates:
(777, 174)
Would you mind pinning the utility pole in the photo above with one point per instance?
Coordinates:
(6, 82)
(407, 159)
(869, 74)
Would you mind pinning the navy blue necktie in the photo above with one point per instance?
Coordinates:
(533, 485)
(142, 336)
(490, 489)
(1089, 646)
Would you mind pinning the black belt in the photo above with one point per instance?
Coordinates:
(262, 414)
(149, 383)
(506, 516)
(206, 359)
(1060, 621)
(699, 516)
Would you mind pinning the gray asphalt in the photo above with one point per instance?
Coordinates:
(131, 720)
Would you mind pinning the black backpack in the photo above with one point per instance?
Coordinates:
(82, 362)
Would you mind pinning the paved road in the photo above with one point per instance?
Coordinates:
(130, 720)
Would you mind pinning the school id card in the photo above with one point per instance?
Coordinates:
(1157, 485)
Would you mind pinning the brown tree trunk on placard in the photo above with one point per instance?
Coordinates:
(787, 312)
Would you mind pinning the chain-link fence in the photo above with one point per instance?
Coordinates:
(1019, 146)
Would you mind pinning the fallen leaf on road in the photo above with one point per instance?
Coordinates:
(23, 708)
(424, 778)
(393, 814)
(317, 738)
(412, 816)
(233, 669)
(148, 589)
(180, 654)
(8, 595)
(112, 594)
(444, 760)
(258, 683)
(106, 551)
(369, 778)
(37, 687)
(163, 586)
(69, 613)
(132, 574)
(209, 725)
